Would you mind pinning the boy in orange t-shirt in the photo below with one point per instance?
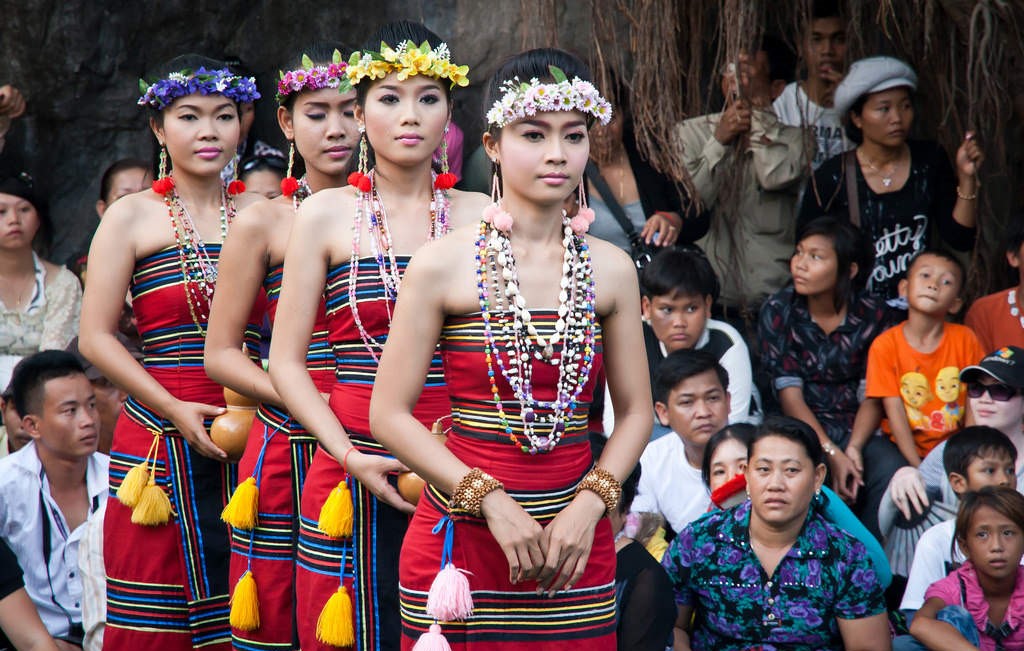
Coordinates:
(998, 319)
(914, 367)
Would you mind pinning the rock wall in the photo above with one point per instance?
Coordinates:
(78, 63)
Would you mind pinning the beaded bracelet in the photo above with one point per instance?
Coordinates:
(968, 197)
(604, 483)
(469, 494)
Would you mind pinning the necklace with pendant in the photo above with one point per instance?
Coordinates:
(886, 179)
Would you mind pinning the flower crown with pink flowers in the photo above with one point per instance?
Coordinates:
(313, 77)
(522, 100)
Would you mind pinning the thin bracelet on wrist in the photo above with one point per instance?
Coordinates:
(968, 197)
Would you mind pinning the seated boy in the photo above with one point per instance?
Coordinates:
(679, 286)
(998, 319)
(691, 394)
(50, 487)
(914, 369)
(974, 457)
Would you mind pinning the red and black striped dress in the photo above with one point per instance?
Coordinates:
(167, 585)
(283, 451)
(508, 616)
(368, 562)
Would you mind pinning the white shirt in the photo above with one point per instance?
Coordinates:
(94, 580)
(21, 526)
(795, 108)
(725, 342)
(669, 485)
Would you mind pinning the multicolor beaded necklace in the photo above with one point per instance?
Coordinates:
(302, 192)
(497, 280)
(198, 271)
(370, 207)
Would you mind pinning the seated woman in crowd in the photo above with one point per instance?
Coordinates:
(815, 334)
(980, 605)
(894, 188)
(39, 301)
(773, 571)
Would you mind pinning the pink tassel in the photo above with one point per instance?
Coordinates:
(490, 212)
(450, 599)
(579, 224)
(503, 221)
(432, 640)
(587, 213)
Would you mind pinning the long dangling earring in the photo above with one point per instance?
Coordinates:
(164, 182)
(585, 216)
(360, 178)
(494, 214)
(290, 184)
(445, 180)
(236, 187)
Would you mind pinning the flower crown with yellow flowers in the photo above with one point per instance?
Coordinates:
(407, 60)
(522, 100)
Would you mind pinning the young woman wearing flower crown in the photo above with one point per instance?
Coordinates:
(351, 246)
(527, 311)
(166, 550)
(315, 114)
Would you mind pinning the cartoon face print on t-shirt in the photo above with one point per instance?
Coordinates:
(916, 393)
(947, 389)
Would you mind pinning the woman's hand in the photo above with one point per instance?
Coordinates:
(518, 535)
(372, 472)
(907, 490)
(188, 418)
(846, 476)
(969, 158)
(567, 542)
(661, 229)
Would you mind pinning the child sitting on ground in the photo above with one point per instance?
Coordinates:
(981, 603)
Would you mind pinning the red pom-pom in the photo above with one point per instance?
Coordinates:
(163, 185)
(289, 186)
(355, 177)
(364, 184)
(445, 181)
(235, 188)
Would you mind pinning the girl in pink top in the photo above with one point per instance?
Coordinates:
(981, 604)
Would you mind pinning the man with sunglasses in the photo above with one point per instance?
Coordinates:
(994, 389)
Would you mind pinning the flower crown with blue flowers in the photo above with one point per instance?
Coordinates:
(160, 94)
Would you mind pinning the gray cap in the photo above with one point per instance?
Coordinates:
(872, 75)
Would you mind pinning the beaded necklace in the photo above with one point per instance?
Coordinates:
(198, 271)
(301, 193)
(524, 345)
(370, 207)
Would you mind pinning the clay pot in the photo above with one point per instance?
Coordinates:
(230, 430)
(410, 485)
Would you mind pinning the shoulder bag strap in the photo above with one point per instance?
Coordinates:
(594, 176)
(852, 197)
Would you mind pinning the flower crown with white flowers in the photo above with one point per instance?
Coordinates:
(313, 77)
(407, 60)
(161, 93)
(523, 100)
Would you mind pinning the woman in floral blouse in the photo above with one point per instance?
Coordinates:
(39, 301)
(815, 334)
(772, 573)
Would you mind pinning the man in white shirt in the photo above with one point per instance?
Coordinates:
(49, 488)
(692, 397)
(808, 103)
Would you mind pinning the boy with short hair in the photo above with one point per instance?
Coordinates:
(998, 319)
(914, 367)
(692, 398)
(973, 458)
(678, 288)
(50, 487)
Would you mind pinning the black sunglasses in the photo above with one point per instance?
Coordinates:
(998, 392)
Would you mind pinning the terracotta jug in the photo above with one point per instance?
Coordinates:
(230, 430)
(410, 485)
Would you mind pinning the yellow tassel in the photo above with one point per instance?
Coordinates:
(240, 511)
(336, 513)
(245, 604)
(133, 484)
(153, 508)
(334, 625)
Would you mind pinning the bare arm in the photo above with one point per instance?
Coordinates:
(900, 427)
(936, 635)
(845, 474)
(242, 268)
(865, 634)
(20, 622)
(111, 263)
(681, 632)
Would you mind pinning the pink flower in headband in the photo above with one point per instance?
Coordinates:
(522, 100)
(313, 77)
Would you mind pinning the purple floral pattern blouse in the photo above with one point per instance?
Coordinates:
(826, 575)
